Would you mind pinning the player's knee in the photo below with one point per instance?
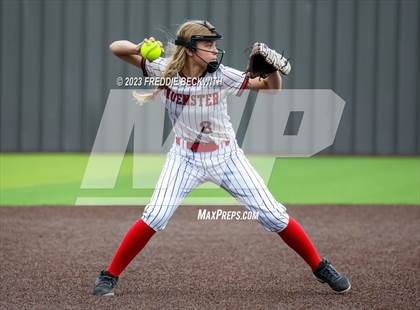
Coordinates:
(274, 220)
(154, 218)
(158, 227)
(157, 224)
(275, 226)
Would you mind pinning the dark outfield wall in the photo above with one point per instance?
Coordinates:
(56, 69)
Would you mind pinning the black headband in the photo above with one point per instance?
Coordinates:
(192, 43)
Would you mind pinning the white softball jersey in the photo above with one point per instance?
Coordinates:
(205, 149)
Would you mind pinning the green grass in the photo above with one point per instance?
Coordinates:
(348, 180)
(38, 179)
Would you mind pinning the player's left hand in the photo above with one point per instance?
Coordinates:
(264, 61)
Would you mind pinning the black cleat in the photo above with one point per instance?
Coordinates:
(326, 273)
(104, 284)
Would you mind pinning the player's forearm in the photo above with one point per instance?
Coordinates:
(273, 81)
(124, 48)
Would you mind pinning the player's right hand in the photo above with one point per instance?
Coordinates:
(151, 39)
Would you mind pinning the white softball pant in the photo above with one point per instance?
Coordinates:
(184, 170)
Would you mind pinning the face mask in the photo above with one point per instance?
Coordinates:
(213, 65)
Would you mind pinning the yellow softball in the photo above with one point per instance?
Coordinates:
(150, 50)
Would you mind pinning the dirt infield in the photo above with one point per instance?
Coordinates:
(50, 257)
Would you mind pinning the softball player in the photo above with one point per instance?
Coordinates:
(205, 149)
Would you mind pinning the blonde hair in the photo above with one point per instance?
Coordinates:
(177, 55)
(177, 60)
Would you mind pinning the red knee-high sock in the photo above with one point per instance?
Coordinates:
(134, 241)
(296, 238)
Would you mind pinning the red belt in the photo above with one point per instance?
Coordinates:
(200, 147)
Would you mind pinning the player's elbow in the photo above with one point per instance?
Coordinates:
(113, 47)
(274, 81)
(273, 86)
(118, 48)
